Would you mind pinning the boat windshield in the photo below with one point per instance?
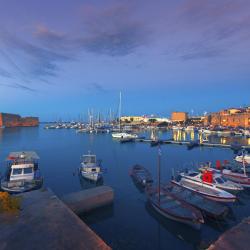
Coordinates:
(89, 159)
(220, 180)
(193, 174)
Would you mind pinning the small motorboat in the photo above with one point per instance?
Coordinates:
(171, 207)
(207, 191)
(246, 157)
(89, 168)
(210, 177)
(235, 173)
(208, 207)
(23, 173)
(141, 175)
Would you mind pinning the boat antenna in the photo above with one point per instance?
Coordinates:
(159, 174)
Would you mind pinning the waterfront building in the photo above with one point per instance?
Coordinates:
(14, 120)
(132, 119)
(233, 117)
(179, 116)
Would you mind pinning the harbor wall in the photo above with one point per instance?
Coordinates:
(89, 199)
(14, 120)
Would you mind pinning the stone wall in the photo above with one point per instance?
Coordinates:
(14, 120)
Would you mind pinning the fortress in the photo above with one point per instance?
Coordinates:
(13, 120)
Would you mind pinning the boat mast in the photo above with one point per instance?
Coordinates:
(120, 110)
(159, 174)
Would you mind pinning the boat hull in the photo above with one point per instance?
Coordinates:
(91, 176)
(191, 223)
(209, 196)
(26, 187)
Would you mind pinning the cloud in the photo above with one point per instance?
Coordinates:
(37, 61)
(113, 31)
(5, 73)
(96, 88)
(18, 86)
(214, 28)
(203, 54)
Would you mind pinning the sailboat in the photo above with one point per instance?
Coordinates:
(122, 135)
(170, 206)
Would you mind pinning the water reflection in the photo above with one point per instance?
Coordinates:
(98, 215)
(179, 230)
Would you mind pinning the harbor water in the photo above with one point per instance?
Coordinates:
(130, 223)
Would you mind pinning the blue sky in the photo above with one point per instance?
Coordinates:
(59, 58)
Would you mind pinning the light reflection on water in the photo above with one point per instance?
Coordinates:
(129, 223)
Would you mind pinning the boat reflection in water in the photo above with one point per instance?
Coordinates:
(86, 184)
(178, 229)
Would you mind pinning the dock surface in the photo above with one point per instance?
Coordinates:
(45, 222)
(236, 238)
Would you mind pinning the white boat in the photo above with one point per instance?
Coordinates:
(89, 168)
(120, 134)
(239, 158)
(210, 192)
(124, 135)
(22, 173)
(211, 178)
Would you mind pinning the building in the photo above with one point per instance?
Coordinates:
(196, 120)
(13, 120)
(132, 119)
(179, 116)
(229, 118)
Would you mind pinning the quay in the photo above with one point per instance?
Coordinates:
(89, 199)
(201, 144)
(45, 222)
(235, 238)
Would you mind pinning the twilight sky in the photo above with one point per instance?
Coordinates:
(58, 58)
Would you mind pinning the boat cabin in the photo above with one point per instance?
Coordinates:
(22, 166)
(89, 159)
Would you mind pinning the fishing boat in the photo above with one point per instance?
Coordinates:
(207, 191)
(208, 207)
(89, 168)
(23, 173)
(210, 178)
(171, 207)
(141, 175)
